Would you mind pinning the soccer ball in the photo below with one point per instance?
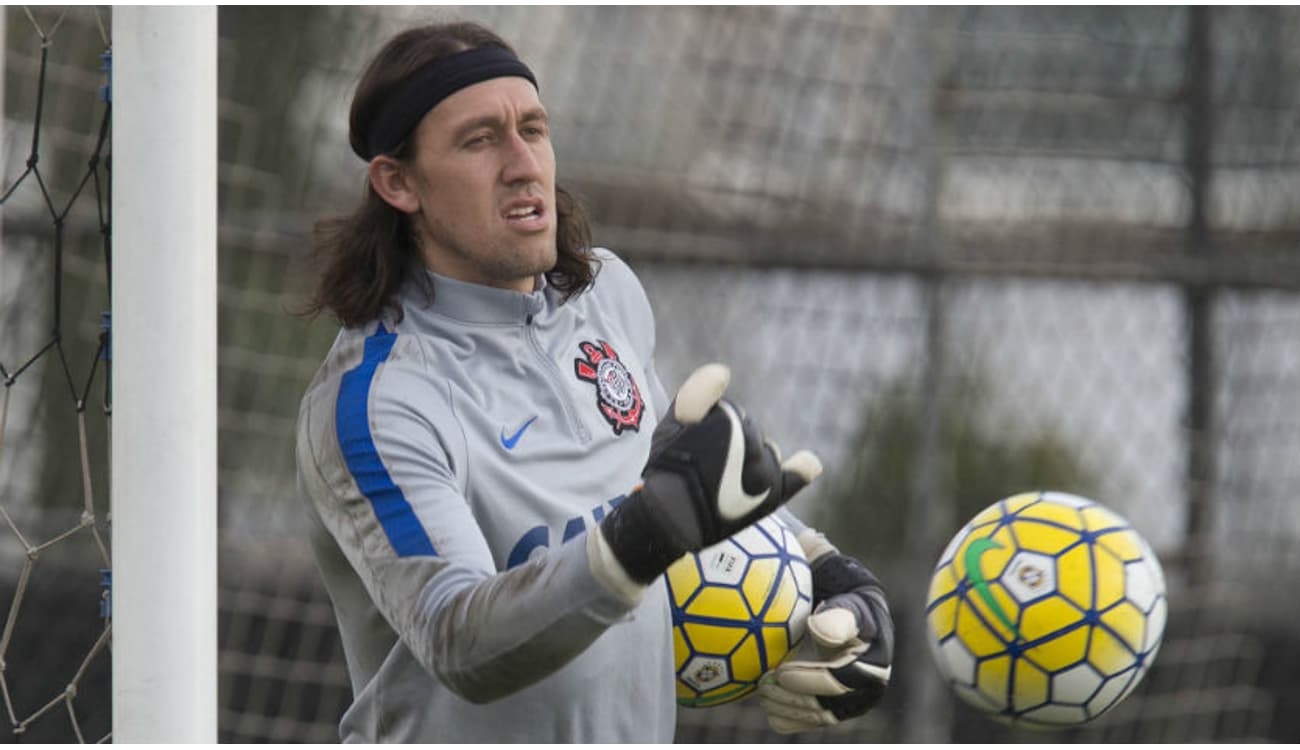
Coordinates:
(739, 607)
(1046, 610)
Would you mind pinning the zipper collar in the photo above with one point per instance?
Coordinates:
(475, 303)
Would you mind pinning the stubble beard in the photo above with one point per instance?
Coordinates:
(501, 262)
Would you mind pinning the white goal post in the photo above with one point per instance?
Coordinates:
(164, 427)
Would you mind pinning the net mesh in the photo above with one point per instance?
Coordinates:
(55, 212)
(959, 252)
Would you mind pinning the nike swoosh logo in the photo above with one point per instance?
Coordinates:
(972, 557)
(509, 442)
(733, 501)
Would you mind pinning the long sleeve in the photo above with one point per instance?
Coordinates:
(379, 471)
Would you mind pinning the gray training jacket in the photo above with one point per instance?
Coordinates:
(452, 464)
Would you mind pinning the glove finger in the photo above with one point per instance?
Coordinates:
(813, 677)
(798, 471)
(870, 611)
(855, 703)
(858, 674)
(791, 712)
(840, 630)
(788, 703)
(863, 615)
(834, 627)
(700, 393)
(782, 725)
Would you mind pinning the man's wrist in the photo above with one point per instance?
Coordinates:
(606, 569)
(643, 548)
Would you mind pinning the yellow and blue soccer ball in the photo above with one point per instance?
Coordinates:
(738, 608)
(1046, 610)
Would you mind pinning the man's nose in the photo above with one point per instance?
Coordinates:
(522, 162)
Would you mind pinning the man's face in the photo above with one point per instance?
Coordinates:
(483, 174)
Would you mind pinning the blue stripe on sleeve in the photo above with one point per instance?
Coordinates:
(352, 423)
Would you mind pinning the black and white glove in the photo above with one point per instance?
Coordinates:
(854, 636)
(710, 474)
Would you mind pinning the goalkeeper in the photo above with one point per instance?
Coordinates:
(495, 476)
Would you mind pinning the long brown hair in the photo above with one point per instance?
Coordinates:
(364, 258)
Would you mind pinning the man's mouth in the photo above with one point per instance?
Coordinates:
(523, 212)
(528, 216)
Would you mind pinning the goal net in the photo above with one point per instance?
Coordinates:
(56, 343)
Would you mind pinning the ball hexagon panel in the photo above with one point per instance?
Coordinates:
(681, 650)
(1060, 651)
(1111, 692)
(747, 662)
(1107, 579)
(1140, 585)
(683, 581)
(718, 640)
(754, 542)
(1057, 714)
(712, 600)
(1004, 616)
(1030, 686)
(943, 618)
(1054, 516)
(1074, 576)
(784, 600)
(1030, 576)
(942, 584)
(1076, 685)
(1130, 680)
(1108, 654)
(1052, 615)
(1127, 622)
(1122, 543)
(993, 677)
(723, 564)
(975, 634)
(759, 582)
(704, 673)
(1155, 627)
(1047, 538)
(958, 659)
(777, 640)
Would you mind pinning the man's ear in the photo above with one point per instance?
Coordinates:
(392, 183)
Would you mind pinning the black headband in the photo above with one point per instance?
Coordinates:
(431, 84)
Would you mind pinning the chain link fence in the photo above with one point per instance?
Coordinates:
(958, 252)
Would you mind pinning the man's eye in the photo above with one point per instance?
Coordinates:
(477, 140)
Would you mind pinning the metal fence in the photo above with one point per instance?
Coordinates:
(956, 251)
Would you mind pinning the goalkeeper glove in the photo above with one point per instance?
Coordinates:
(854, 635)
(709, 475)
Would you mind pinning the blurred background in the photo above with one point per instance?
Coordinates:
(958, 252)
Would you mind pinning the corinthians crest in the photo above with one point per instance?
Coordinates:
(617, 395)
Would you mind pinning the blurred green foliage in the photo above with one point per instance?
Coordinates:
(984, 457)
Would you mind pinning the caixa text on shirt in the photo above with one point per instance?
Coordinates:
(540, 535)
